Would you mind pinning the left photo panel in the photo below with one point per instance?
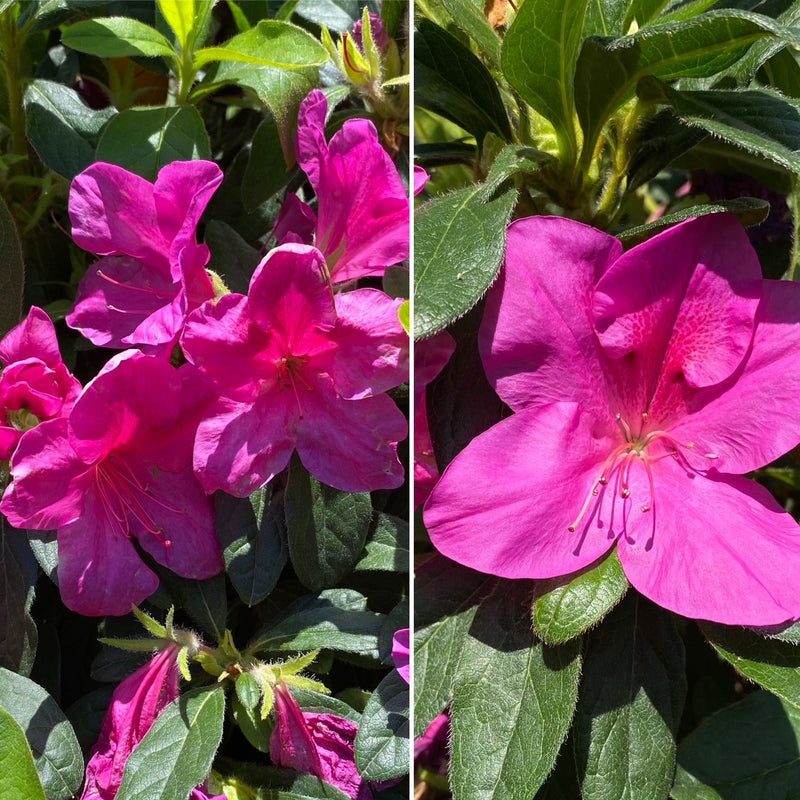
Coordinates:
(204, 391)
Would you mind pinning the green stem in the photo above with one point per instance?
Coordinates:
(10, 46)
(185, 73)
(795, 194)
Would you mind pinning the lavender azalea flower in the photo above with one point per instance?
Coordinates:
(297, 368)
(644, 385)
(119, 468)
(152, 273)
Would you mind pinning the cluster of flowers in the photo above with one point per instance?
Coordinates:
(643, 385)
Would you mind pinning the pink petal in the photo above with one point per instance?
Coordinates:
(334, 738)
(372, 344)
(737, 419)
(400, 653)
(311, 147)
(34, 337)
(505, 504)
(290, 744)
(537, 340)
(296, 220)
(719, 548)
(351, 445)
(420, 179)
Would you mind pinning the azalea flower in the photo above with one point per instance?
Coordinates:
(400, 653)
(299, 369)
(316, 744)
(152, 273)
(135, 704)
(119, 468)
(35, 385)
(432, 750)
(362, 220)
(644, 385)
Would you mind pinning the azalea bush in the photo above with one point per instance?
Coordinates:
(204, 237)
(607, 364)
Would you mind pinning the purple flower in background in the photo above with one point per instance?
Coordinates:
(644, 385)
(119, 468)
(297, 368)
(379, 35)
(152, 273)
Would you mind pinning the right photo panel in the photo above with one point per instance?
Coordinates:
(606, 400)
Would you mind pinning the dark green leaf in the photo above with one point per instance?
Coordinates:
(387, 549)
(514, 160)
(86, 716)
(205, 601)
(283, 784)
(471, 19)
(567, 607)
(513, 701)
(453, 82)
(252, 533)
(782, 72)
(458, 246)
(748, 210)
(176, 753)
(257, 731)
(327, 528)
(18, 777)
(18, 574)
(45, 550)
(319, 703)
(747, 751)
(632, 695)
(544, 74)
(12, 277)
(266, 171)
(382, 747)
(63, 130)
(606, 17)
(231, 257)
(773, 664)
(336, 619)
(446, 599)
(143, 140)
(58, 756)
(114, 37)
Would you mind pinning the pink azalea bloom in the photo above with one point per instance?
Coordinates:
(644, 385)
(362, 219)
(135, 704)
(152, 273)
(430, 357)
(201, 793)
(400, 653)
(316, 744)
(119, 468)
(431, 750)
(420, 179)
(297, 368)
(35, 385)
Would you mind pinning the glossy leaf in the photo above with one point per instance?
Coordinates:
(458, 246)
(632, 694)
(327, 529)
(747, 751)
(12, 277)
(382, 747)
(18, 777)
(451, 81)
(63, 130)
(114, 37)
(52, 741)
(252, 533)
(567, 607)
(175, 755)
(513, 701)
(266, 171)
(470, 18)
(18, 574)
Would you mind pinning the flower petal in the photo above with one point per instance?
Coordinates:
(505, 503)
(34, 337)
(537, 340)
(719, 548)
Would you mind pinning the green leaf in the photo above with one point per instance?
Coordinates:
(544, 74)
(514, 160)
(470, 18)
(327, 528)
(513, 701)
(63, 130)
(762, 122)
(257, 731)
(55, 749)
(204, 600)
(747, 751)
(266, 171)
(271, 43)
(176, 753)
(387, 549)
(451, 81)
(632, 694)
(567, 607)
(12, 278)
(231, 257)
(252, 533)
(114, 37)
(186, 19)
(18, 777)
(446, 598)
(336, 619)
(143, 140)
(772, 663)
(458, 246)
(382, 746)
(748, 210)
(605, 17)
